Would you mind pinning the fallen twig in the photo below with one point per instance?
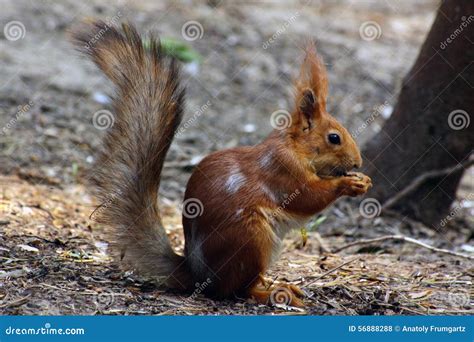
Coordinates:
(332, 270)
(16, 302)
(422, 178)
(405, 239)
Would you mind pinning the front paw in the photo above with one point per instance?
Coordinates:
(355, 184)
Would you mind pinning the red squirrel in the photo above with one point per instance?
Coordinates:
(246, 198)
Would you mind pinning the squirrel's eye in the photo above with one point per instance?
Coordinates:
(334, 139)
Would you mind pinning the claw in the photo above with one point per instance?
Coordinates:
(280, 293)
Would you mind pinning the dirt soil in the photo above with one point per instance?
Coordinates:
(54, 259)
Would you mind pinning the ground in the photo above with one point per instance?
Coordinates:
(54, 259)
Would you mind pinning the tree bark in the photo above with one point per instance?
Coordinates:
(430, 127)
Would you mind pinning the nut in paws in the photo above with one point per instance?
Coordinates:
(356, 184)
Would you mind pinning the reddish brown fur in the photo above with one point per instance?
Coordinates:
(244, 191)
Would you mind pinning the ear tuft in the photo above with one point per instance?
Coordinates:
(307, 105)
(311, 89)
(313, 75)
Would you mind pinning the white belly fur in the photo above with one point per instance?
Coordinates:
(281, 225)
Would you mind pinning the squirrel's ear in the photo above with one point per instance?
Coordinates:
(311, 88)
(307, 106)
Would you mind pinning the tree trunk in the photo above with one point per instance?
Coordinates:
(430, 126)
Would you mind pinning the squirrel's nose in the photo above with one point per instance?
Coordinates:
(357, 162)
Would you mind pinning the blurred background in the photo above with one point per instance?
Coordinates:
(243, 74)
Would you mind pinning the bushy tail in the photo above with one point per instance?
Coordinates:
(147, 109)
